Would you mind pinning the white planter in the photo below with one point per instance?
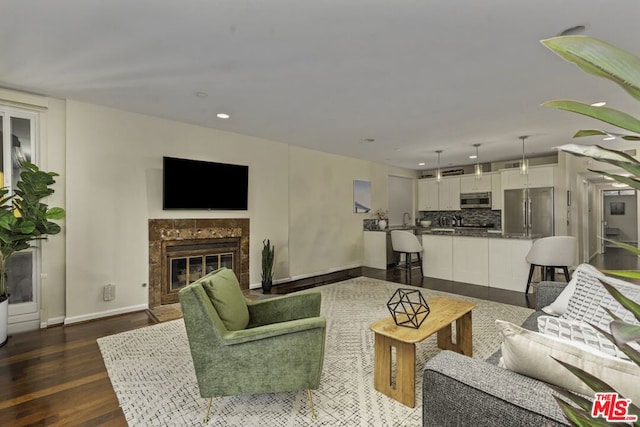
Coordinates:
(382, 223)
(4, 320)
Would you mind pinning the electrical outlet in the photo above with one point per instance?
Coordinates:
(109, 292)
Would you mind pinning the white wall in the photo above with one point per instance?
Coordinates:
(298, 198)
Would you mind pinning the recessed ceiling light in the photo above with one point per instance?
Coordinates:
(473, 156)
(619, 185)
(222, 116)
(201, 94)
(607, 177)
(599, 104)
(609, 138)
(369, 140)
(421, 164)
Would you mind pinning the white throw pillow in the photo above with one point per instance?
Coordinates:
(559, 306)
(578, 333)
(590, 298)
(530, 353)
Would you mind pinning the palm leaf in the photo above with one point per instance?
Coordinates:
(604, 114)
(624, 332)
(633, 249)
(578, 417)
(578, 400)
(594, 383)
(597, 132)
(627, 303)
(630, 181)
(599, 58)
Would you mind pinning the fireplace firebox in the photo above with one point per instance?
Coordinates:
(183, 250)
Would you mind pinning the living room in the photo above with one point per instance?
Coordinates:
(110, 183)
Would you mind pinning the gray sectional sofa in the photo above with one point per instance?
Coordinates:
(460, 391)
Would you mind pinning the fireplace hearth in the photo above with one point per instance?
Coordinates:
(183, 250)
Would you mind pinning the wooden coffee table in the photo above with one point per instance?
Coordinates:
(444, 311)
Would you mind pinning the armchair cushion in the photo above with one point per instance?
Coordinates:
(225, 294)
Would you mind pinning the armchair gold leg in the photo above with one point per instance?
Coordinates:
(206, 418)
(313, 409)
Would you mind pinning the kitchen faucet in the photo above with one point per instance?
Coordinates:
(404, 215)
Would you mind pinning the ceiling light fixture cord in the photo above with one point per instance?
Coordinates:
(438, 171)
(478, 168)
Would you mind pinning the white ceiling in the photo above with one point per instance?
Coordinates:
(416, 76)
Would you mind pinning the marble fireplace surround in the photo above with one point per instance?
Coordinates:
(163, 230)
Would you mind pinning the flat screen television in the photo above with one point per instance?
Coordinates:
(196, 184)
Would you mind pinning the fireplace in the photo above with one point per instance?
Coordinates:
(183, 250)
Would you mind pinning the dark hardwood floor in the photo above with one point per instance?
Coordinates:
(56, 376)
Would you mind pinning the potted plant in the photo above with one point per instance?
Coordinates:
(383, 217)
(268, 252)
(604, 60)
(24, 219)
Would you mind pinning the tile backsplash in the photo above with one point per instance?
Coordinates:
(469, 216)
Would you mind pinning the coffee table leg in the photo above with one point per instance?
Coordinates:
(464, 340)
(405, 387)
(463, 335)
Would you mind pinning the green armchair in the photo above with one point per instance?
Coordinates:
(246, 347)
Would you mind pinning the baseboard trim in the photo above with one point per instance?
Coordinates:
(108, 313)
(54, 321)
(307, 276)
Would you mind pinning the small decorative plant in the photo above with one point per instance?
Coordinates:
(268, 253)
(24, 218)
(602, 59)
(381, 214)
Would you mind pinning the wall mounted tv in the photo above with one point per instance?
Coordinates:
(196, 184)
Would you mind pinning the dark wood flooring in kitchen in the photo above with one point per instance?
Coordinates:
(56, 376)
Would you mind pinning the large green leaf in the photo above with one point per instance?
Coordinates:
(627, 303)
(630, 181)
(55, 213)
(624, 332)
(599, 58)
(625, 246)
(597, 132)
(598, 153)
(579, 417)
(604, 114)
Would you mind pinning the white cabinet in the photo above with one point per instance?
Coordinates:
(496, 192)
(375, 249)
(449, 194)
(471, 260)
(437, 256)
(538, 176)
(469, 184)
(427, 195)
(508, 268)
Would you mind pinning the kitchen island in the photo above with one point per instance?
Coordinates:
(481, 257)
(487, 258)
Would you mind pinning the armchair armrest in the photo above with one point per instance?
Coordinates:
(547, 292)
(272, 330)
(283, 309)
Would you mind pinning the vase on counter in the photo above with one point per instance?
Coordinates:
(382, 223)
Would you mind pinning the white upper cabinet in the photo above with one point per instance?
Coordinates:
(427, 195)
(449, 194)
(469, 184)
(538, 176)
(443, 196)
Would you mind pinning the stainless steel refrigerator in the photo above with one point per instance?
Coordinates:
(529, 211)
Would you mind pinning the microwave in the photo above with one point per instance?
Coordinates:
(475, 200)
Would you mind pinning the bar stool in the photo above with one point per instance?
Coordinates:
(550, 253)
(407, 243)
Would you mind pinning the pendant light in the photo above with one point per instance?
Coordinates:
(478, 168)
(438, 171)
(524, 164)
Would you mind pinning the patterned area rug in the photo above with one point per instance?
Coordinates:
(152, 372)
